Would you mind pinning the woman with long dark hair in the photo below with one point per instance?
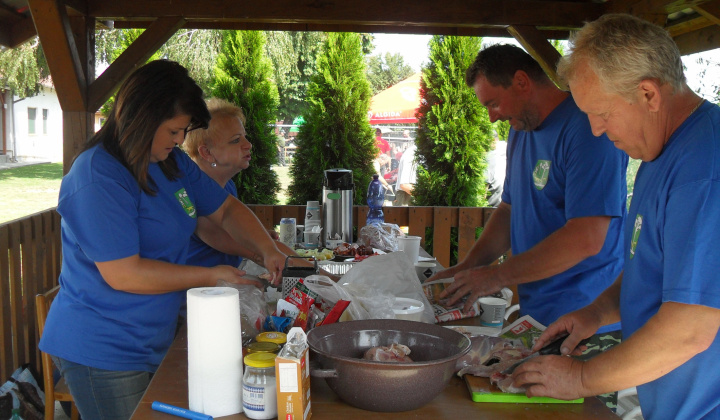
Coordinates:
(129, 206)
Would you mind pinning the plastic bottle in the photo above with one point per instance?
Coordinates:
(16, 414)
(375, 200)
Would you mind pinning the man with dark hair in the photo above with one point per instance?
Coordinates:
(563, 203)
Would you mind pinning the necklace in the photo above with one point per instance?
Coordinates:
(702, 101)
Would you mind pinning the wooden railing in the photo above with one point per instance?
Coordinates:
(30, 259)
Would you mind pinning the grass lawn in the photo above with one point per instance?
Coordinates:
(29, 189)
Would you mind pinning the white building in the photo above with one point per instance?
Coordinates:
(32, 127)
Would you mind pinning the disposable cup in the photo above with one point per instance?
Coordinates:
(493, 311)
(424, 270)
(312, 238)
(409, 309)
(410, 245)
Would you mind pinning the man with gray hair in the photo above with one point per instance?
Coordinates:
(626, 75)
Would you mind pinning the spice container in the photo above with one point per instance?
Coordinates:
(259, 395)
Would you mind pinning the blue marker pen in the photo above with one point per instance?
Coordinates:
(178, 411)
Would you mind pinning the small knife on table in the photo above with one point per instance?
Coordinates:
(552, 348)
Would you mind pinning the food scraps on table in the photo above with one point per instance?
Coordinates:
(347, 250)
(320, 255)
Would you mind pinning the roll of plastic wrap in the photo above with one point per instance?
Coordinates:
(214, 351)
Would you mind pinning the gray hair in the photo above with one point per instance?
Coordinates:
(624, 50)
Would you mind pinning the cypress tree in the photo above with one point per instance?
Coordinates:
(336, 133)
(454, 131)
(243, 76)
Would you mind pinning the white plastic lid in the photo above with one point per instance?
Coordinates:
(405, 306)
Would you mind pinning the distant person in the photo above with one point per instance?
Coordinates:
(626, 74)
(407, 177)
(495, 172)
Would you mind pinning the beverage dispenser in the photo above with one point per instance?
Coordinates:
(337, 201)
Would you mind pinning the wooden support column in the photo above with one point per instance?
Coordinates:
(540, 49)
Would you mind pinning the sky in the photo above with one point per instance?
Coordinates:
(414, 49)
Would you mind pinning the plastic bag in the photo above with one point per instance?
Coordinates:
(382, 236)
(372, 285)
(253, 309)
(364, 303)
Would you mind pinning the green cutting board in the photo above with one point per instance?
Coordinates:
(482, 391)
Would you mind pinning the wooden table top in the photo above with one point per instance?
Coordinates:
(170, 385)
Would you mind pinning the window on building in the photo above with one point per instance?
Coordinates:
(45, 115)
(31, 120)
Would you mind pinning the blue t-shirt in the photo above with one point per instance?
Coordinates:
(203, 254)
(555, 173)
(672, 239)
(105, 217)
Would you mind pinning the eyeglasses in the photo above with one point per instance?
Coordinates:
(194, 125)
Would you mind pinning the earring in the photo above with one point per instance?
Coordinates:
(214, 165)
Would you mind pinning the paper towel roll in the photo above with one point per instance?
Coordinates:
(214, 351)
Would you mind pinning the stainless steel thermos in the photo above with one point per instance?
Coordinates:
(337, 201)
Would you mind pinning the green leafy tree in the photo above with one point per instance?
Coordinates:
(336, 133)
(454, 129)
(502, 128)
(293, 55)
(383, 72)
(22, 69)
(243, 77)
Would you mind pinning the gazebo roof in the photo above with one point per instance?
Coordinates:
(66, 30)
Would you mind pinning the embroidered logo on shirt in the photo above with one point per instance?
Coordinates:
(184, 200)
(541, 173)
(635, 235)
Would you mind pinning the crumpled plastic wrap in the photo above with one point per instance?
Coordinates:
(253, 309)
(382, 236)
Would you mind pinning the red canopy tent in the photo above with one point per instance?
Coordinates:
(396, 104)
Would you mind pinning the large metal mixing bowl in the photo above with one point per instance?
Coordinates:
(338, 348)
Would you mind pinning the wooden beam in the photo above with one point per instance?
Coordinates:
(539, 47)
(699, 41)
(482, 31)
(78, 126)
(642, 7)
(53, 28)
(459, 13)
(135, 55)
(710, 11)
(688, 25)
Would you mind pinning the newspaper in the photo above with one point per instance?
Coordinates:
(444, 313)
(525, 329)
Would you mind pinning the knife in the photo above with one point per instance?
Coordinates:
(552, 348)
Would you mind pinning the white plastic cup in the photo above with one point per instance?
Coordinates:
(493, 311)
(409, 309)
(424, 270)
(312, 238)
(312, 214)
(411, 246)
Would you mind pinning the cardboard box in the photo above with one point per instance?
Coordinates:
(293, 386)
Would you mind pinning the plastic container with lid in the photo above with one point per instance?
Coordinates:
(278, 338)
(259, 395)
(406, 308)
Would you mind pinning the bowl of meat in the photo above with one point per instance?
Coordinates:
(386, 365)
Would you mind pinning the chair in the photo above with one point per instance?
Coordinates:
(53, 392)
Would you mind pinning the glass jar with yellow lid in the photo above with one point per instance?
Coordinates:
(262, 347)
(259, 393)
(278, 338)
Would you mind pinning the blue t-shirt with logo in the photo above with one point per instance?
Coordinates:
(555, 173)
(203, 254)
(672, 236)
(105, 217)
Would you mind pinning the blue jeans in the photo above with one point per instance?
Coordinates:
(103, 394)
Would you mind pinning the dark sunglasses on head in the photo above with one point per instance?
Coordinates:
(194, 125)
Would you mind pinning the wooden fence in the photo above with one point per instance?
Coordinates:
(30, 260)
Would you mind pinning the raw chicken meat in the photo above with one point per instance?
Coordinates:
(396, 353)
(489, 356)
